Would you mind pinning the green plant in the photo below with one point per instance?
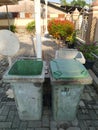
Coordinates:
(31, 27)
(13, 28)
(88, 50)
(60, 29)
(72, 38)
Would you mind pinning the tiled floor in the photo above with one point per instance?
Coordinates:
(87, 115)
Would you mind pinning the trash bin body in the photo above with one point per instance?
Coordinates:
(68, 78)
(28, 97)
(26, 78)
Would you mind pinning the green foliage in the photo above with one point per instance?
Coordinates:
(88, 49)
(13, 28)
(80, 3)
(72, 38)
(63, 2)
(61, 29)
(31, 27)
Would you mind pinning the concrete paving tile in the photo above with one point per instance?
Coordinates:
(1, 90)
(86, 96)
(1, 109)
(11, 103)
(13, 108)
(81, 103)
(10, 129)
(89, 122)
(16, 122)
(23, 125)
(53, 124)
(61, 129)
(73, 128)
(75, 122)
(45, 120)
(84, 111)
(92, 128)
(0, 105)
(83, 125)
(45, 123)
(95, 122)
(5, 111)
(30, 129)
(34, 124)
(5, 125)
(46, 112)
(10, 116)
(41, 128)
(64, 125)
(96, 112)
(53, 129)
(93, 115)
(2, 118)
(22, 128)
(83, 117)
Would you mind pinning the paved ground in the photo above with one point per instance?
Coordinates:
(87, 115)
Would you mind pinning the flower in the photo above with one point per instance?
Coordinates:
(60, 29)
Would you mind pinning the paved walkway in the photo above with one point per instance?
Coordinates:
(87, 115)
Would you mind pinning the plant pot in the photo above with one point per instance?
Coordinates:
(95, 68)
(89, 64)
(70, 45)
(67, 42)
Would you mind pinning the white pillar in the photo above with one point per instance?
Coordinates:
(46, 2)
(38, 28)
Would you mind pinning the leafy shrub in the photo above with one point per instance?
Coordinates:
(13, 28)
(72, 38)
(31, 27)
(61, 29)
(88, 49)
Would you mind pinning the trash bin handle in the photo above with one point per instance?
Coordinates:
(56, 65)
(59, 73)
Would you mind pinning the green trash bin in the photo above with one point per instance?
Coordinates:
(68, 77)
(26, 77)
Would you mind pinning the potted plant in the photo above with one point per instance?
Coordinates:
(88, 50)
(31, 27)
(13, 28)
(61, 29)
(71, 40)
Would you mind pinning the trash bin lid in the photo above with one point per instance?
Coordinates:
(67, 68)
(9, 43)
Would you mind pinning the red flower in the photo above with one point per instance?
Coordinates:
(60, 28)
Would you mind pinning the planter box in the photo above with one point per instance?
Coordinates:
(89, 64)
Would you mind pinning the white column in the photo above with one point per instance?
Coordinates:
(38, 28)
(46, 2)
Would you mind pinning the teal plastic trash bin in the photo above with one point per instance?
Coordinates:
(63, 53)
(68, 77)
(26, 77)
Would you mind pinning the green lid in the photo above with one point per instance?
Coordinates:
(67, 68)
